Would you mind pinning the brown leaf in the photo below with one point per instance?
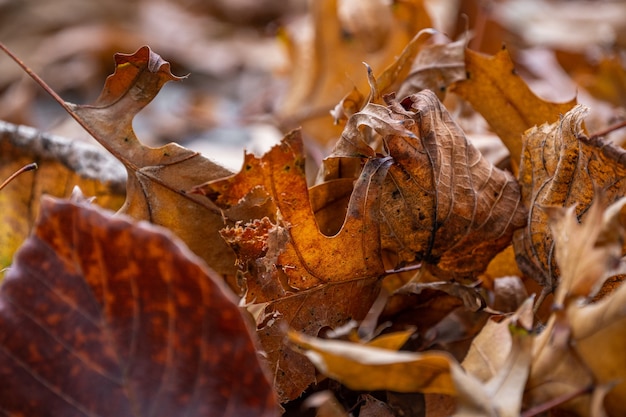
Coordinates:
(496, 91)
(103, 316)
(308, 280)
(328, 59)
(157, 177)
(587, 254)
(435, 68)
(443, 203)
(560, 168)
(329, 305)
(387, 82)
(62, 165)
(583, 343)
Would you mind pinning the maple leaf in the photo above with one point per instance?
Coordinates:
(100, 315)
(157, 177)
(443, 202)
(561, 167)
(497, 92)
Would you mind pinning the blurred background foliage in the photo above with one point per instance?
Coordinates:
(261, 67)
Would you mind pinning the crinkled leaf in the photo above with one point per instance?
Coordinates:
(308, 280)
(103, 316)
(435, 68)
(562, 168)
(442, 203)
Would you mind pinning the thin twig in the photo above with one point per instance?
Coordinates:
(34, 76)
(25, 168)
(403, 269)
(608, 130)
(561, 399)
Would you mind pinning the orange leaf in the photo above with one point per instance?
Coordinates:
(496, 91)
(308, 280)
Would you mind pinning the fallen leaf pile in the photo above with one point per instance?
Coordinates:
(403, 273)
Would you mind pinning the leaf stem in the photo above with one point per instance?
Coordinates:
(25, 168)
(561, 399)
(34, 76)
(404, 269)
(608, 130)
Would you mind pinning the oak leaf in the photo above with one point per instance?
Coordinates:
(497, 92)
(100, 315)
(157, 177)
(442, 203)
(304, 278)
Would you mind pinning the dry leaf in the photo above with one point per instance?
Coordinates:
(561, 168)
(587, 254)
(157, 177)
(505, 377)
(362, 367)
(582, 344)
(496, 91)
(443, 203)
(435, 68)
(308, 280)
(103, 316)
(328, 61)
(62, 165)
(368, 368)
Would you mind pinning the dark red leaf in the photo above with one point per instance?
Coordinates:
(100, 316)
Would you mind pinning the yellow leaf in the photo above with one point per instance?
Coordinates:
(368, 368)
(496, 91)
(62, 166)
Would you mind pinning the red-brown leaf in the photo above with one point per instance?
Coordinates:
(101, 316)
